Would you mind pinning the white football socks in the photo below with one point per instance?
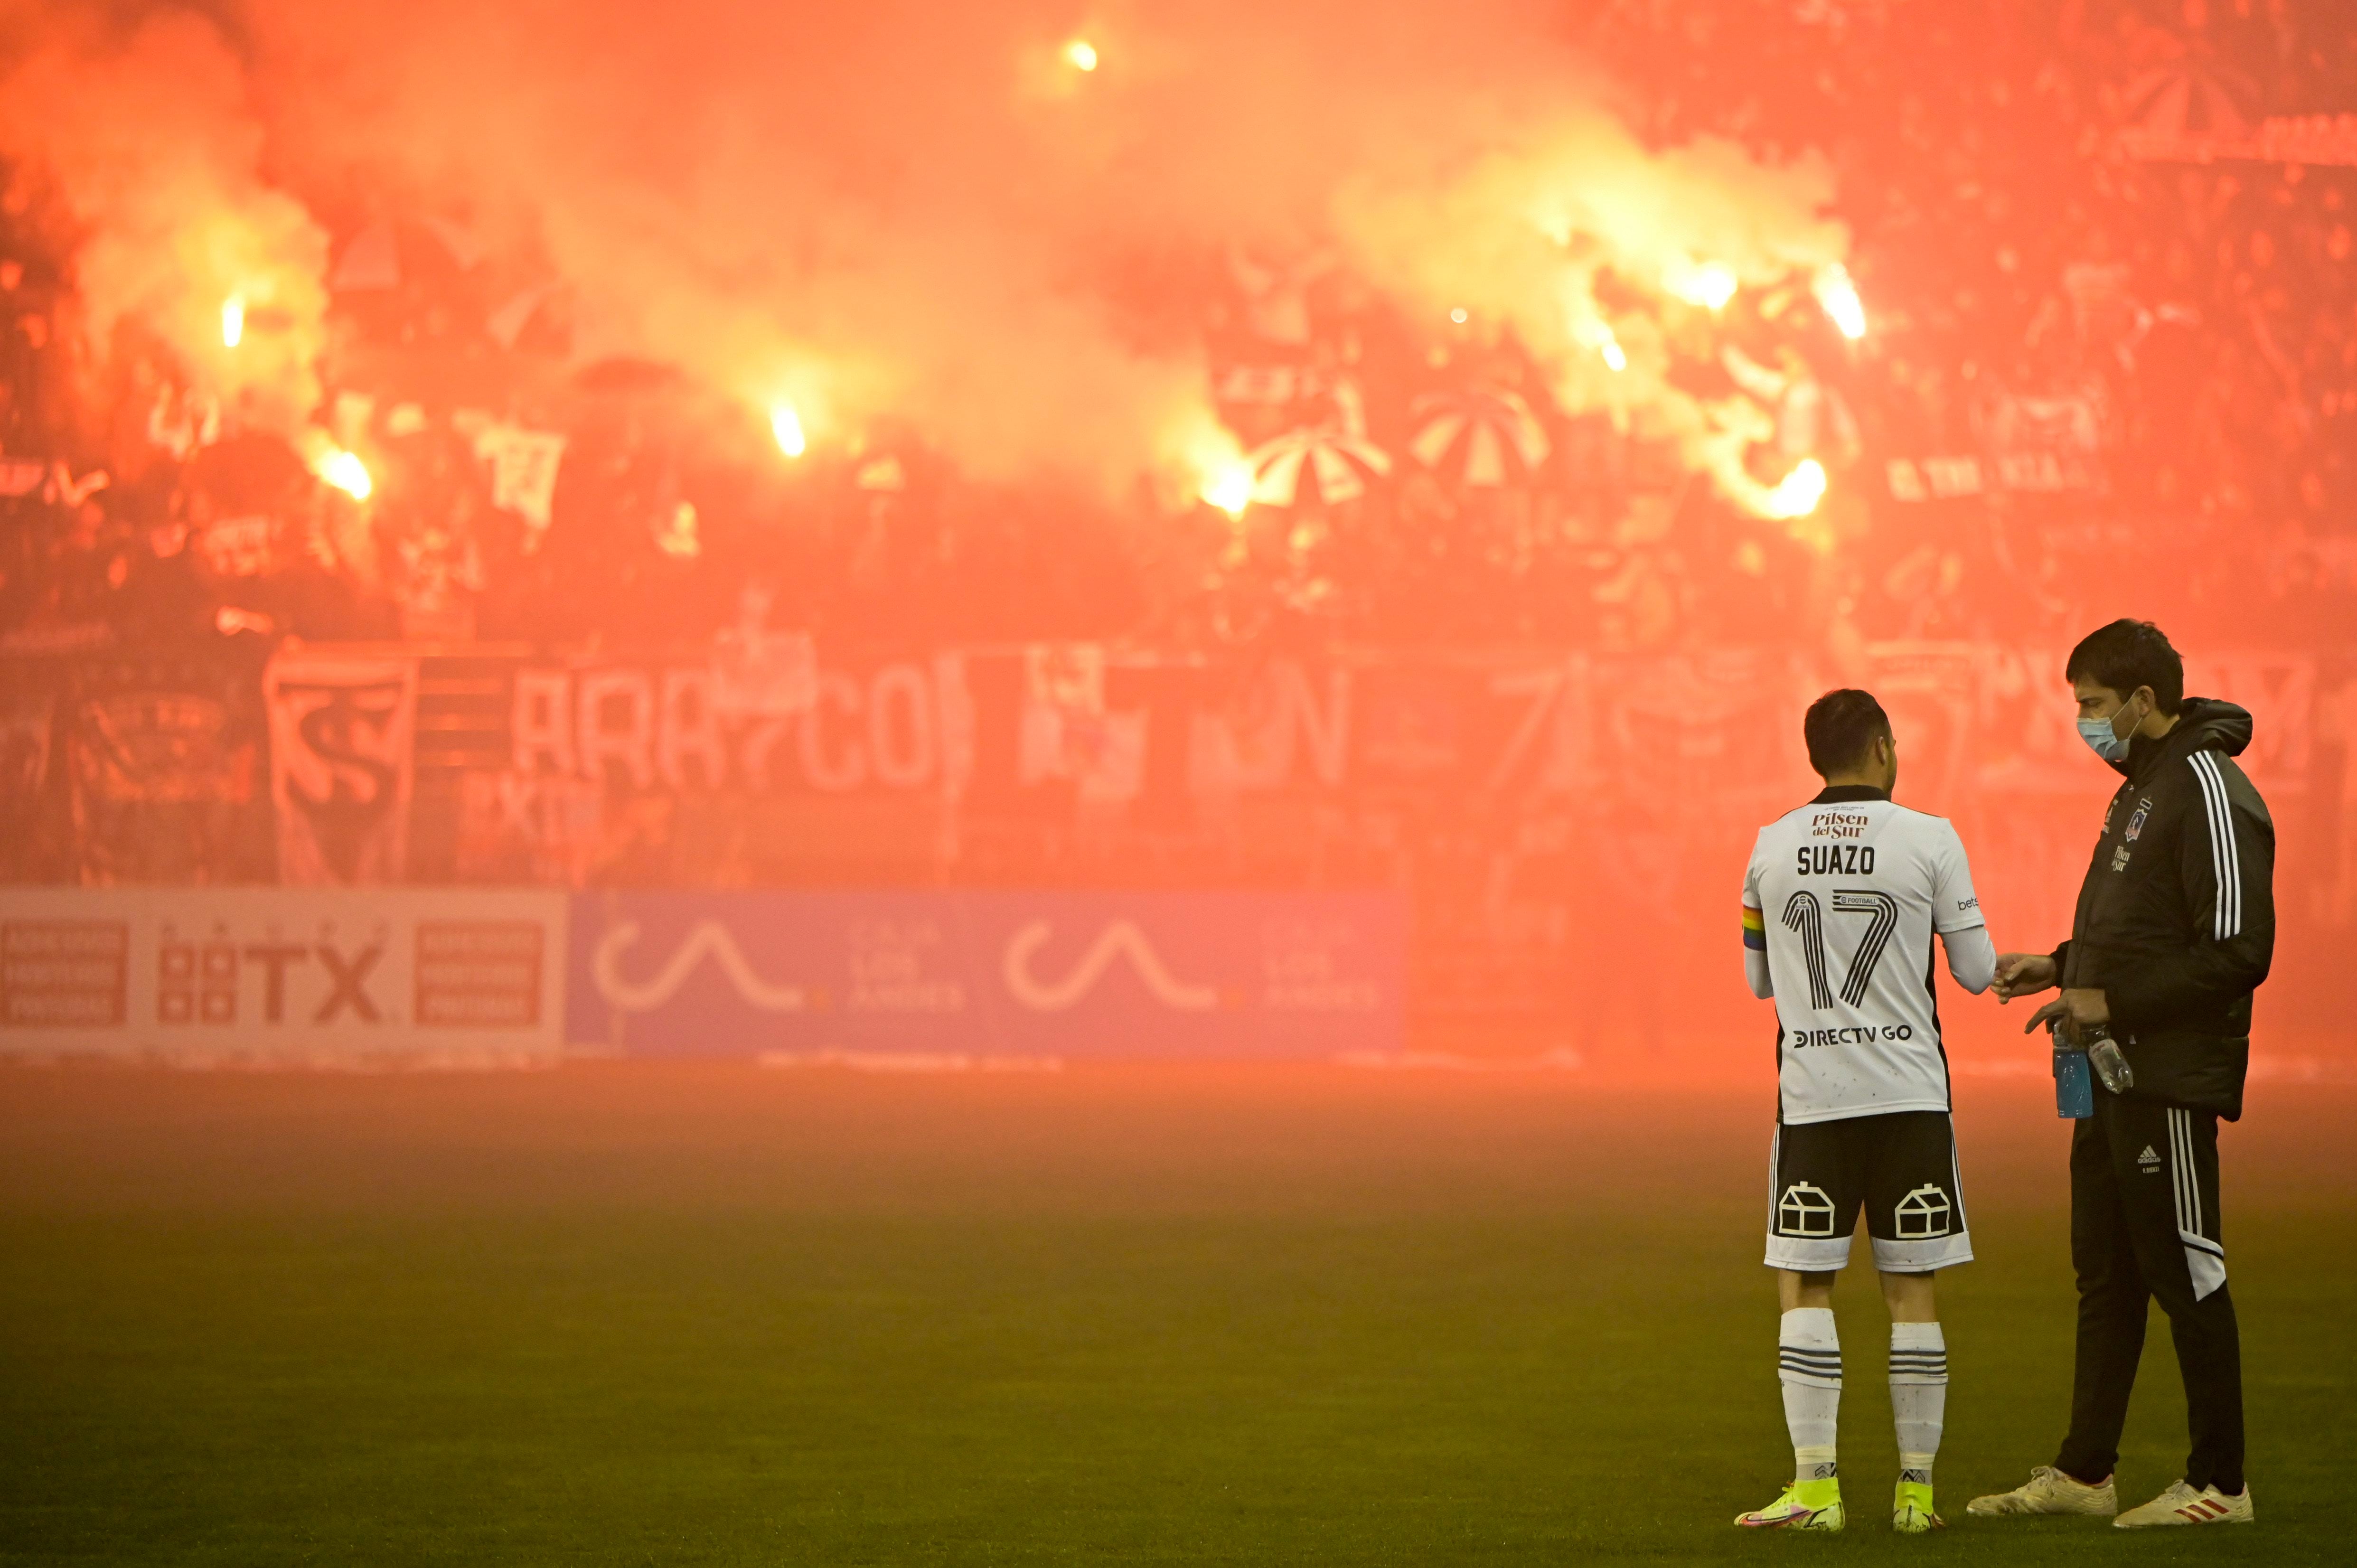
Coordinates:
(1919, 1395)
(1808, 1360)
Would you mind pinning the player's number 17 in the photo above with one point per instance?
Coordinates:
(1805, 918)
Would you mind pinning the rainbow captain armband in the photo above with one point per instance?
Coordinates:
(1755, 929)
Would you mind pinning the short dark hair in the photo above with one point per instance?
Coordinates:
(2127, 654)
(1840, 728)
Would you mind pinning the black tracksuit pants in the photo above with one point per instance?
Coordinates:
(2144, 1224)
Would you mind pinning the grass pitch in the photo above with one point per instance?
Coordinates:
(692, 1315)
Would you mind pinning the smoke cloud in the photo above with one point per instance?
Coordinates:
(928, 211)
(152, 145)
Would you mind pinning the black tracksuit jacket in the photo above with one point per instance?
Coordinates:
(2176, 923)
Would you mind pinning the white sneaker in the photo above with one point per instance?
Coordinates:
(2049, 1490)
(2182, 1504)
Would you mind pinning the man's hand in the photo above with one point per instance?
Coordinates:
(2077, 1008)
(2023, 974)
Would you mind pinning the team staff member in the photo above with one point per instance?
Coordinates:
(2175, 929)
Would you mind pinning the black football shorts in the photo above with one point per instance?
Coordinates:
(1899, 1167)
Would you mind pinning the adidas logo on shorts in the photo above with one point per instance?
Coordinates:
(2149, 1160)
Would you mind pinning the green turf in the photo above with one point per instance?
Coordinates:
(686, 1382)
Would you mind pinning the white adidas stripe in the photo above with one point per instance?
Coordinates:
(2234, 849)
(2225, 858)
(2217, 857)
(2177, 1173)
(2176, 1169)
(2192, 1172)
(2182, 1172)
(2184, 1166)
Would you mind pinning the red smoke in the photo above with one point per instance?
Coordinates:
(929, 212)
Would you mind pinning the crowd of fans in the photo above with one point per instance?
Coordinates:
(2204, 315)
(2091, 378)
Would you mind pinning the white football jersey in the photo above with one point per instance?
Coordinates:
(1845, 896)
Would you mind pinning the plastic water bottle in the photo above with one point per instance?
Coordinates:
(2111, 1064)
(2074, 1083)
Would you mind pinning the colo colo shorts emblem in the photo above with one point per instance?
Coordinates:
(1899, 1167)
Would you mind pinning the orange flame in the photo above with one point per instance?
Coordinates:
(786, 424)
(1798, 493)
(334, 465)
(1599, 336)
(346, 473)
(1837, 295)
(1229, 487)
(1707, 284)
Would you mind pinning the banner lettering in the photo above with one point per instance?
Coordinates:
(342, 764)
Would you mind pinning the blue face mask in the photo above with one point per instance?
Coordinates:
(2104, 740)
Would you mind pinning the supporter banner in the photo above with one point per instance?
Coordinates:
(29, 849)
(282, 976)
(1159, 736)
(759, 718)
(2323, 139)
(342, 761)
(26, 720)
(757, 672)
(520, 827)
(137, 740)
(162, 758)
(987, 975)
(523, 465)
(1076, 729)
(2032, 472)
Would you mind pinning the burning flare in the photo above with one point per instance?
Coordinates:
(1600, 337)
(1709, 284)
(233, 321)
(1798, 492)
(787, 426)
(334, 465)
(1203, 459)
(1081, 54)
(346, 473)
(1229, 487)
(1837, 297)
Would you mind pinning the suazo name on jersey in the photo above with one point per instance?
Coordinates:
(1846, 897)
(1834, 860)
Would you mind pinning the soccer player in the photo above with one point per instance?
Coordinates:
(1839, 908)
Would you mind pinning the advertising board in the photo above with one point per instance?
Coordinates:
(276, 975)
(990, 974)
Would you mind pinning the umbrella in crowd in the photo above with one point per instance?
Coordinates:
(1490, 437)
(2190, 96)
(388, 252)
(1338, 462)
